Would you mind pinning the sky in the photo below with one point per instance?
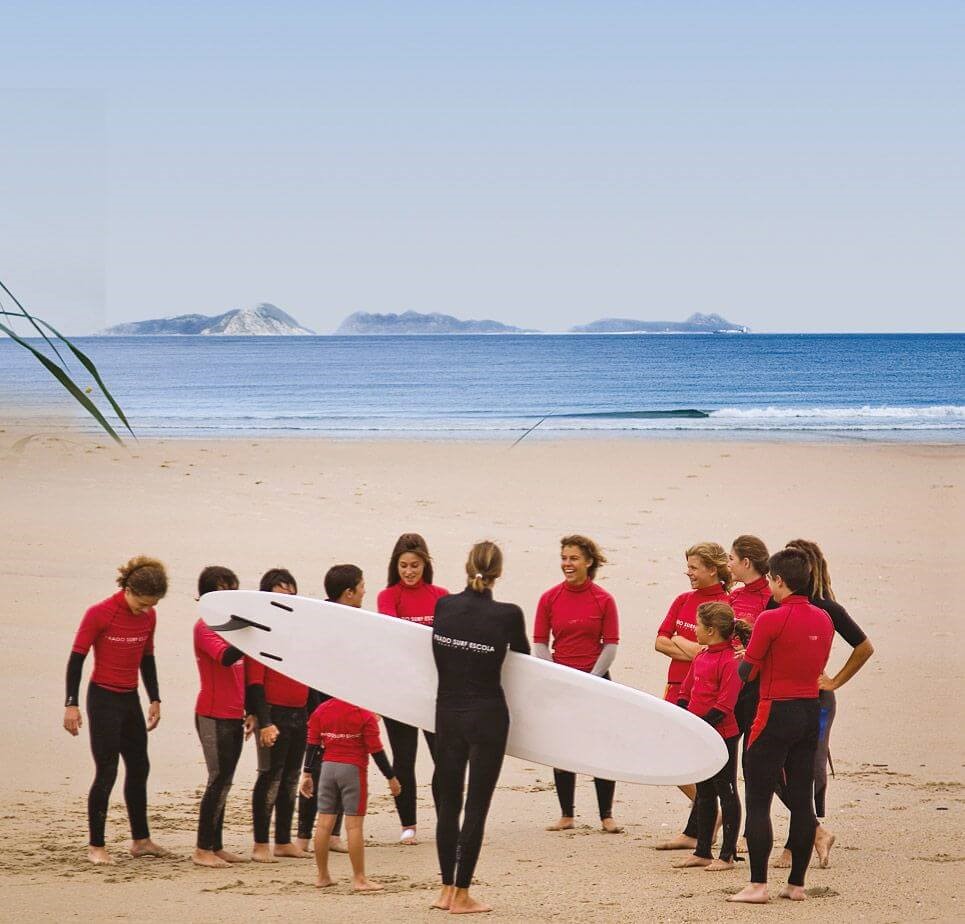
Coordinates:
(792, 166)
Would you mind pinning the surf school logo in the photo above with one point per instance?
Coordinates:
(462, 644)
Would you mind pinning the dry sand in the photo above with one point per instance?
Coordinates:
(888, 516)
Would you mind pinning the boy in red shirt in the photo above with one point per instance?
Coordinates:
(342, 736)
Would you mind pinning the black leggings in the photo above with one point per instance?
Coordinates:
(475, 737)
(404, 741)
(308, 809)
(117, 729)
(828, 707)
(784, 736)
(278, 770)
(566, 789)
(221, 741)
(723, 786)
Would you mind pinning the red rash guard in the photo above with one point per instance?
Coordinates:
(713, 683)
(748, 602)
(416, 604)
(790, 647)
(348, 734)
(120, 639)
(681, 619)
(581, 620)
(222, 694)
(279, 689)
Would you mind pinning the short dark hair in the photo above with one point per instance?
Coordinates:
(275, 576)
(340, 578)
(216, 577)
(792, 567)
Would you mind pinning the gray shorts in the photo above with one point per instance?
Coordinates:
(341, 788)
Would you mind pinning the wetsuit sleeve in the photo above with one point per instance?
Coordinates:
(313, 732)
(149, 676)
(687, 686)
(611, 623)
(517, 632)
(370, 735)
(90, 627)
(75, 669)
(541, 628)
(844, 625)
(729, 686)
(386, 602)
(669, 623)
(605, 659)
(255, 702)
(714, 717)
(314, 755)
(230, 656)
(382, 762)
(760, 643)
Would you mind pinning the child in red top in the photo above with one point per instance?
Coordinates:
(710, 691)
(342, 736)
(409, 594)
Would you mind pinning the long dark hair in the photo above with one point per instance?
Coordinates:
(409, 542)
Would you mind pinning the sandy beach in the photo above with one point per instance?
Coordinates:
(889, 518)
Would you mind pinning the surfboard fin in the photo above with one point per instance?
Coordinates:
(239, 622)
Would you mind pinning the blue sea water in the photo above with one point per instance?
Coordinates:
(899, 386)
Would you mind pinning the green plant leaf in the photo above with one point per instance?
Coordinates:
(33, 321)
(66, 381)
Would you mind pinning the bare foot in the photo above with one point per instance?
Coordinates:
(823, 842)
(742, 845)
(99, 856)
(753, 894)
(336, 845)
(689, 862)
(408, 837)
(230, 857)
(794, 893)
(564, 824)
(444, 899)
(783, 861)
(464, 903)
(304, 843)
(208, 858)
(147, 848)
(290, 850)
(680, 842)
(366, 885)
(323, 882)
(611, 827)
(261, 853)
(718, 866)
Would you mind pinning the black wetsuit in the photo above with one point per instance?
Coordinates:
(470, 636)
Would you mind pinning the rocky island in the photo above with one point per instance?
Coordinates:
(696, 324)
(412, 322)
(263, 320)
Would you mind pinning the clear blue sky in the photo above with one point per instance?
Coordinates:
(793, 166)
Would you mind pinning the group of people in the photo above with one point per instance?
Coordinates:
(747, 649)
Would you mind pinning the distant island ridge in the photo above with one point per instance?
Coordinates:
(268, 320)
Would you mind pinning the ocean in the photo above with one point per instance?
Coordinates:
(821, 386)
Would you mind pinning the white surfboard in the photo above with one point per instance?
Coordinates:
(559, 717)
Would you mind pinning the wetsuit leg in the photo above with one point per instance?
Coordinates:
(404, 741)
(487, 732)
(604, 797)
(292, 742)
(105, 714)
(725, 786)
(828, 707)
(565, 791)
(693, 821)
(452, 756)
(136, 766)
(431, 744)
(221, 742)
(271, 765)
(783, 734)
